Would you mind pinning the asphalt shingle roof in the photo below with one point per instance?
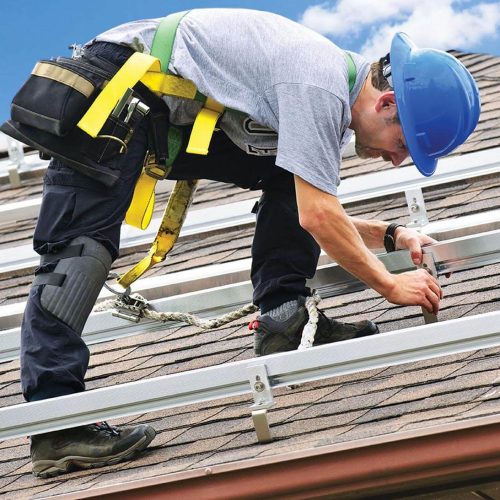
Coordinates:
(378, 402)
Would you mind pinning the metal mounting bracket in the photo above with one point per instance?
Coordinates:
(263, 400)
(430, 266)
(416, 207)
(16, 156)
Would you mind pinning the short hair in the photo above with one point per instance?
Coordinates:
(378, 79)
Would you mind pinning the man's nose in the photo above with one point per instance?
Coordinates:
(398, 158)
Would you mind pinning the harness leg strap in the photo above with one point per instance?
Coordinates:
(72, 288)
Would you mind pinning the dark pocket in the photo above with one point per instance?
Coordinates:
(56, 213)
(111, 141)
(57, 94)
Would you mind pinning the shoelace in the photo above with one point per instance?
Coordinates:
(106, 428)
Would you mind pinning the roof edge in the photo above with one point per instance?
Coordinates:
(384, 464)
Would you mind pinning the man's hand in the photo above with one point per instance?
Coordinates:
(415, 288)
(409, 239)
(344, 238)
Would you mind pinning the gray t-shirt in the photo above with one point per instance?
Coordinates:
(285, 86)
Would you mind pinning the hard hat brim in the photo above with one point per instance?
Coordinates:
(401, 49)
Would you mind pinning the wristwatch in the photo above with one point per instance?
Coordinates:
(389, 239)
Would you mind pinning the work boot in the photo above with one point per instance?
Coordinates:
(273, 336)
(86, 447)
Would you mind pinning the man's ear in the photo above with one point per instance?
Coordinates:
(385, 101)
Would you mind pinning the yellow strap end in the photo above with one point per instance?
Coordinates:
(141, 208)
(202, 131)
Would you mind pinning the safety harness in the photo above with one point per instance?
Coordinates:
(152, 70)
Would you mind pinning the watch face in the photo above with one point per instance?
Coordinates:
(389, 243)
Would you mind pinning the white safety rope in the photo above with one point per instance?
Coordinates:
(201, 323)
(309, 330)
(139, 306)
(135, 306)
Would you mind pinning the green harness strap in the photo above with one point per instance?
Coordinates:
(351, 70)
(163, 41)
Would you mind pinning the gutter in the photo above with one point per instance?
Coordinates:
(437, 457)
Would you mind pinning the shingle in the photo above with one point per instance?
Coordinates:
(380, 402)
(15, 452)
(393, 411)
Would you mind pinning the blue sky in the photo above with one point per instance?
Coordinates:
(36, 29)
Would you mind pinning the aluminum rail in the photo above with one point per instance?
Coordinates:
(236, 379)
(353, 189)
(232, 272)
(18, 166)
(331, 280)
(397, 180)
(217, 218)
(197, 222)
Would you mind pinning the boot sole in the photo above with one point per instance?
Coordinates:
(50, 468)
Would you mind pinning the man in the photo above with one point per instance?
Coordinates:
(289, 113)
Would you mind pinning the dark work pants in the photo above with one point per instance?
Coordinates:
(54, 358)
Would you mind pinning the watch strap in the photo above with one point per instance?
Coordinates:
(389, 238)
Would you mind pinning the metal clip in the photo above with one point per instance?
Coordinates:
(130, 307)
(77, 51)
(416, 206)
(122, 103)
(263, 400)
(430, 266)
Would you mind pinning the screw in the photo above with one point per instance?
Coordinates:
(258, 386)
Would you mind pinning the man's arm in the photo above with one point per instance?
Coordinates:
(322, 215)
(373, 231)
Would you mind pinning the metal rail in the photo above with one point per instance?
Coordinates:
(237, 271)
(331, 280)
(197, 222)
(238, 378)
(216, 218)
(351, 190)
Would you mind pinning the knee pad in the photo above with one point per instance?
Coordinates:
(72, 288)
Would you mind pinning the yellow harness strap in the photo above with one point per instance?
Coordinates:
(164, 84)
(170, 227)
(204, 127)
(126, 77)
(141, 208)
(148, 70)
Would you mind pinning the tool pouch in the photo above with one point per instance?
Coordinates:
(46, 110)
(57, 94)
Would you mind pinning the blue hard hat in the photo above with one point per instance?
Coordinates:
(437, 99)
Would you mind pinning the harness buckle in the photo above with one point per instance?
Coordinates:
(154, 170)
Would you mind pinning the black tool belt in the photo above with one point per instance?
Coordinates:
(47, 108)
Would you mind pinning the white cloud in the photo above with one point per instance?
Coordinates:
(443, 24)
(349, 16)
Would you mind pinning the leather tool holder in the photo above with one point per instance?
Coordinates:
(47, 108)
